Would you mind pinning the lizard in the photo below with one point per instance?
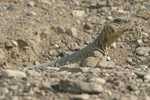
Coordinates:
(98, 48)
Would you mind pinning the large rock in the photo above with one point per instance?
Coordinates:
(79, 87)
(13, 73)
(142, 50)
(106, 64)
(97, 80)
(71, 68)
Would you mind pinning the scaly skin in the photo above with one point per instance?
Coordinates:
(110, 33)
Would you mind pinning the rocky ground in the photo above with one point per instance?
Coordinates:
(36, 31)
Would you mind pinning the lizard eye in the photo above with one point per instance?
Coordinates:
(117, 20)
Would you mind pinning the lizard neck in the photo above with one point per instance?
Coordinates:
(102, 43)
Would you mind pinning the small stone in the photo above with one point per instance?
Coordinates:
(59, 30)
(142, 58)
(12, 73)
(102, 4)
(12, 7)
(92, 4)
(45, 86)
(78, 13)
(71, 68)
(147, 77)
(97, 80)
(114, 45)
(36, 63)
(129, 60)
(56, 45)
(4, 90)
(13, 87)
(143, 8)
(23, 43)
(140, 74)
(35, 48)
(81, 97)
(92, 70)
(88, 26)
(79, 87)
(9, 44)
(139, 41)
(31, 13)
(142, 50)
(14, 43)
(72, 32)
(31, 3)
(121, 11)
(110, 18)
(105, 64)
(78, 22)
(108, 58)
(143, 66)
(90, 62)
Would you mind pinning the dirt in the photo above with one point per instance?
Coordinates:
(31, 30)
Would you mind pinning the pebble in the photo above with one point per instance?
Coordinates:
(114, 45)
(139, 41)
(31, 3)
(102, 4)
(72, 32)
(93, 70)
(143, 66)
(140, 74)
(79, 87)
(81, 97)
(88, 25)
(90, 62)
(23, 43)
(12, 7)
(78, 13)
(31, 13)
(4, 90)
(14, 43)
(142, 50)
(108, 58)
(12, 73)
(121, 11)
(97, 80)
(59, 30)
(45, 86)
(13, 87)
(147, 77)
(129, 60)
(9, 44)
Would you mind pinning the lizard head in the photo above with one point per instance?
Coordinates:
(117, 27)
(112, 31)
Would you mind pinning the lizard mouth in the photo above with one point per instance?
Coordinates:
(127, 26)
